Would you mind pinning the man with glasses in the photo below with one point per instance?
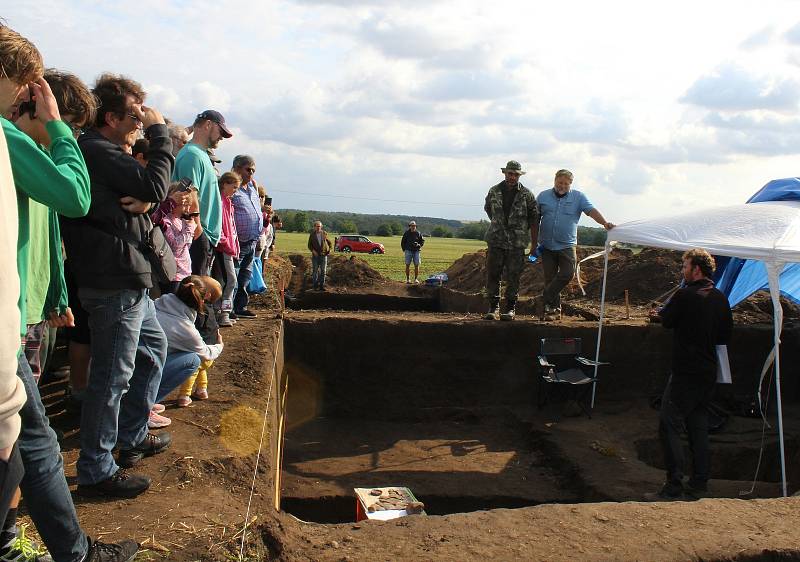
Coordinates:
(513, 213)
(249, 223)
(114, 277)
(193, 162)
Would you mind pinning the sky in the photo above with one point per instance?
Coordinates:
(412, 107)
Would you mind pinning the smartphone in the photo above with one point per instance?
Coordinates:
(268, 200)
(28, 106)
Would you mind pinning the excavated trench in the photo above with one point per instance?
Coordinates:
(446, 406)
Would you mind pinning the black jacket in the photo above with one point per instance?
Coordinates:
(99, 259)
(701, 317)
(412, 241)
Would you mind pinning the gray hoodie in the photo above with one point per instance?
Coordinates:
(177, 321)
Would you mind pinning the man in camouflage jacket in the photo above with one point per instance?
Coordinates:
(514, 219)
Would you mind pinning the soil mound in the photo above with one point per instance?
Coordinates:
(757, 309)
(647, 274)
(351, 271)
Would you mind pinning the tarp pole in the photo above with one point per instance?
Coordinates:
(600, 324)
(773, 274)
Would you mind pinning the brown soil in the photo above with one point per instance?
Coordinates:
(647, 276)
(196, 507)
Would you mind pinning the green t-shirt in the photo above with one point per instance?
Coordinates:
(193, 162)
(38, 262)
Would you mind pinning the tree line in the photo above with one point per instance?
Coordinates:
(395, 225)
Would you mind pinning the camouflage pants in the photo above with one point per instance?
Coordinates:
(498, 259)
(559, 269)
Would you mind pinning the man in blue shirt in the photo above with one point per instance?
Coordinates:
(193, 162)
(560, 209)
(249, 219)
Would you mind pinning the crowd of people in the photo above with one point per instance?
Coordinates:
(127, 235)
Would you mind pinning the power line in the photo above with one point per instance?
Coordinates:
(360, 198)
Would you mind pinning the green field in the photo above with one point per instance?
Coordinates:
(437, 254)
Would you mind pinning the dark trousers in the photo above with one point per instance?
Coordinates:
(244, 272)
(499, 259)
(11, 472)
(684, 406)
(559, 268)
(201, 254)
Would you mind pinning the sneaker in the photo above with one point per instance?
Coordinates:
(494, 312)
(158, 408)
(154, 421)
(232, 315)
(123, 551)
(121, 485)
(694, 491)
(183, 401)
(23, 549)
(416, 281)
(200, 394)
(151, 445)
(247, 314)
(224, 320)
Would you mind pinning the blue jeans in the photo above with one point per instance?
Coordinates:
(129, 349)
(244, 271)
(318, 266)
(180, 365)
(44, 486)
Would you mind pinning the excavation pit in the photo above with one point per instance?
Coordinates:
(445, 405)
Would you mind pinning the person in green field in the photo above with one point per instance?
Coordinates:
(411, 244)
(320, 246)
(514, 217)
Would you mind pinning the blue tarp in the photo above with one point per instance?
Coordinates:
(738, 278)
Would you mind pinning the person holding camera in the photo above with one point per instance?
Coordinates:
(411, 244)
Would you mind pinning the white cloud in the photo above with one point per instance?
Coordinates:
(731, 87)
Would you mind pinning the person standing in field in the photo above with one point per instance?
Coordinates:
(320, 246)
(560, 209)
(411, 244)
(514, 216)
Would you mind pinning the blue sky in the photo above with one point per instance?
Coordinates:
(354, 105)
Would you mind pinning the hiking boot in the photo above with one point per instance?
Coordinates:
(693, 491)
(247, 314)
(494, 310)
(23, 549)
(123, 551)
(156, 421)
(669, 492)
(224, 320)
(151, 445)
(121, 485)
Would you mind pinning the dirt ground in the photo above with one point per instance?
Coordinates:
(196, 507)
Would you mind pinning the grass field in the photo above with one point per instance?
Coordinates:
(437, 254)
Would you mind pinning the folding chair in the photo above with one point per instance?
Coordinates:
(565, 372)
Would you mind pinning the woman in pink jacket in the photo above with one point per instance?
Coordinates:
(228, 247)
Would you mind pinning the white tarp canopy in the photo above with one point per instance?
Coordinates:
(768, 232)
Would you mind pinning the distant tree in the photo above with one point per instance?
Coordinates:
(364, 232)
(448, 234)
(588, 236)
(348, 226)
(474, 230)
(397, 228)
(383, 230)
(441, 232)
(300, 223)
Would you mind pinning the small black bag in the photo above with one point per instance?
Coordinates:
(155, 249)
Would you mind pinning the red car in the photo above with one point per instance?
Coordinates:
(357, 243)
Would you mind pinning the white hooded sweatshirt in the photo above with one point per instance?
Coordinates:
(177, 321)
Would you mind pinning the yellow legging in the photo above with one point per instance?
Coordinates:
(200, 375)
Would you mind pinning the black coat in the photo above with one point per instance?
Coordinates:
(99, 259)
(412, 241)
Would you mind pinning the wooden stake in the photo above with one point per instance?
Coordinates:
(627, 306)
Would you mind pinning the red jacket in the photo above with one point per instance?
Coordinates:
(228, 240)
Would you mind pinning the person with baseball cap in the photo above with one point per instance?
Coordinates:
(514, 217)
(193, 162)
(412, 245)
